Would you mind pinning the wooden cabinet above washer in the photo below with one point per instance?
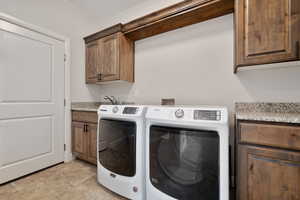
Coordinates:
(110, 58)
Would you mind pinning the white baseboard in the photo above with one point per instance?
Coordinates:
(69, 157)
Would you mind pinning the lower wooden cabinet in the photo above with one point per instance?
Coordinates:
(79, 143)
(266, 172)
(92, 142)
(84, 137)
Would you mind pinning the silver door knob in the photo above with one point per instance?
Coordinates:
(179, 113)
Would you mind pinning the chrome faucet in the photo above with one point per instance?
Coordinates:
(112, 99)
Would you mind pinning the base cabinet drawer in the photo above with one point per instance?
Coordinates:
(268, 174)
(81, 116)
(274, 135)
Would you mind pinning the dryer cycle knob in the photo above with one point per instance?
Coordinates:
(179, 113)
(115, 109)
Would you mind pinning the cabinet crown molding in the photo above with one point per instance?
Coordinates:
(103, 33)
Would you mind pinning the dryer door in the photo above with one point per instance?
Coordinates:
(117, 146)
(184, 163)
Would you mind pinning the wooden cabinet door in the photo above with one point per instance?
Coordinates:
(109, 61)
(79, 141)
(267, 31)
(92, 61)
(268, 174)
(92, 142)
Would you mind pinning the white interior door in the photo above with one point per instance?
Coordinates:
(31, 101)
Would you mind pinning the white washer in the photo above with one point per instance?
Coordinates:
(187, 153)
(121, 144)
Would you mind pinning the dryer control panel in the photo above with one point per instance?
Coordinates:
(205, 114)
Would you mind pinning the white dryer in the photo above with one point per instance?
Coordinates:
(187, 153)
(121, 149)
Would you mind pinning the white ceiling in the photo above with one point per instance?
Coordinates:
(105, 8)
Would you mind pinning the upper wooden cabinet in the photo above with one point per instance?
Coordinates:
(92, 61)
(110, 58)
(267, 31)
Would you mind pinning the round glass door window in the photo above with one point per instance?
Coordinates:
(184, 163)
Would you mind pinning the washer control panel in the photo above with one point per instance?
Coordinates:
(130, 110)
(213, 115)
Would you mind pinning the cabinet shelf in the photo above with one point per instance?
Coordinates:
(176, 16)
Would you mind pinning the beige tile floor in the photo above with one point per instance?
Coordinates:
(70, 181)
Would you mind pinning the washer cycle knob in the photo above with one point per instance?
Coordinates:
(115, 109)
(179, 113)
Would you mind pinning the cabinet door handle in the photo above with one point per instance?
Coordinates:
(298, 49)
(251, 167)
(99, 76)
(86, 128)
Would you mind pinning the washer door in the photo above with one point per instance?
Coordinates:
(184, 163)
(117, 146)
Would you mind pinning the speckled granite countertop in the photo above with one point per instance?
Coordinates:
(92, 106)
(86, 106)
(271, 112)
